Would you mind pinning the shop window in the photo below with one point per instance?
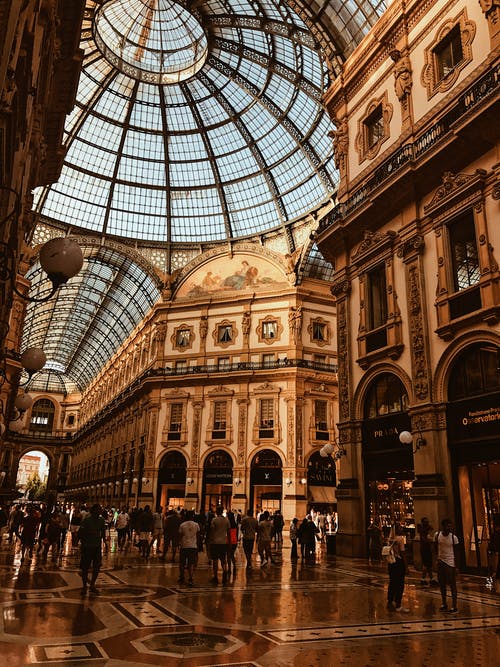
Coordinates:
(476, 372)
(386, 395)
(321, 420)
(266, 418)
(465, 259)
(175, 421)
(42, 415)
(219, 423)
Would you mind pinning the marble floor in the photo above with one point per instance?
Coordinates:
(273, 616)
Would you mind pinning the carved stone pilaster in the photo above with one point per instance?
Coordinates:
(195, 447)
(153, 425)
(299, 442)
(242, 430)
(290, 431)
(343, 360)
(419, 361)
(491, 10)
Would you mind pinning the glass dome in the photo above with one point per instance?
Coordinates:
(194, 125)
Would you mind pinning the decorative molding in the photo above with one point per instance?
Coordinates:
(234, 334)
(343, 361)
(419, 361)
(361, 143)
(466, 187)
(190, 340)
(430, 72)
(279, 330)
(373, 243)
(409, 247)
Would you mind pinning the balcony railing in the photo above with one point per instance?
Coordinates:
(468, 101)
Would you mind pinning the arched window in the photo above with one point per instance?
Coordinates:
(173, 460)
(386, 395)
(266, 459)
(476, 371)
(219, 459)
(42, 415)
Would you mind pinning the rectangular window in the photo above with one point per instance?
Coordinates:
(182, 337)
(319, 360)
(465, 259)
(449, 52)
(175, 425)
(266, 418)
(225, 333)
(374, 125)
(219, 428)
(269, 330)
(181, 367)
(377, 298)
(223, 363)
(319, 331)
(268, 360)
(321, 421)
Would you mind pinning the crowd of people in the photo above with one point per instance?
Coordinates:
(39, 530)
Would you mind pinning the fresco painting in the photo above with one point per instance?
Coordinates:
(240, 272)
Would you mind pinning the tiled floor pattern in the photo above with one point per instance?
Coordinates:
(277, 616)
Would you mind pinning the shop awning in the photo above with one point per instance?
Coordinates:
(323, 494)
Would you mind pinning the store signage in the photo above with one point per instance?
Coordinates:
(324, 477)
(383, 433)
(474, 418)
(218, 476)
(267, 476)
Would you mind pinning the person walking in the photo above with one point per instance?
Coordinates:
(145, 522)
(248, 529)
(171, 524)
(92, 534)
(218, 536)
(493, 578)
(446, 545)
(122, 526)
(294, 556)
(375, 538)
(157, 531)
(397, 571)
(188, 543)
(30, 524)
(426, 533)
(264, 537)
(232, 543)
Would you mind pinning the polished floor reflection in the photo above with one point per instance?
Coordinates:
(274, 616)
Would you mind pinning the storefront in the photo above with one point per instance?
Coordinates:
(217, 481)
(266, 482)
(474, 442)
(321, 484)
(388, 465)
(172, 481)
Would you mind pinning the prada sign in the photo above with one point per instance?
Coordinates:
(383, 433)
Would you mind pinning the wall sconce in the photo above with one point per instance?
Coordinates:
(236, 481)
(189, 481)
(406, 438)
(288, 481)
(303, 481)
(145, 481)
(117, 483)
(135, 480)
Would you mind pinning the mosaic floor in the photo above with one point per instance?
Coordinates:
(274, 616)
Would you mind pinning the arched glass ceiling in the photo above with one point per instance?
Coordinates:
(90, 318)
(223, 138)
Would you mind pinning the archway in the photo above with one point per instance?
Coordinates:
(217, 481)
(388, 465)
(172, 481)
(32, 474)
(266, 482)
(473, 418)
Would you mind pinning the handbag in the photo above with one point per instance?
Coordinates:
(388, 553)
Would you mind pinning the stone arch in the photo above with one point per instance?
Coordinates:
(369, 377)
(450, 355)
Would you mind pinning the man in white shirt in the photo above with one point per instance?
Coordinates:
(188, 542)
(446, 543)
(121, 524)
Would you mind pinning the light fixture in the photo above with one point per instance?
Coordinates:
(236, 481)
(407, 438)
(303, 481)
(16, 426)
(189, 481)
(288, 481)
(145, 481)
(135, 480)
(117, 483)
(23, 402)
